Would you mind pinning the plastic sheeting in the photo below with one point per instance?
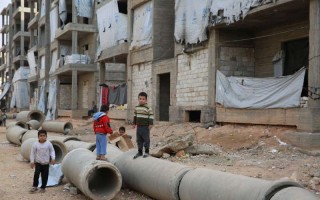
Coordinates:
(32, 63)
(112, 25)
(54, 59)
(55, 175)
(5, 89)
(76, 58)
(43, 8)
(233, 10)
(52, 100)
(84, 8)
(191, 20)
(244, 92)
(63, 11)
(41, 105)
(142, 25)
(20, 94)
(53, 23)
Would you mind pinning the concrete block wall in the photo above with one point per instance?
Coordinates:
(86, 91)
(192, 80)
(236, 61)
(141, 82)
(65, 97)
(115, 72)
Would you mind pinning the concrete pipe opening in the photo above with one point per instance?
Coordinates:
(99, 180)
(18, 123)
(60, 150)
(58, 127)
(31, 115)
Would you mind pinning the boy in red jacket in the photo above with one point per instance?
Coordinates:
(101, 127)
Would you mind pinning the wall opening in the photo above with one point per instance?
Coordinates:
(164, 96)
(296, 57)
(194, 116)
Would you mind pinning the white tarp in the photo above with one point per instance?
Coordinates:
(233, 10)
(84, 8)
(32, 63)
(55, 175)
(41, 105)
(43, 8)
(76, 58)
(246, 92)
(53, 23)
(277, 63)
(142, 25)
(5, 90)
(52, 99)
(54, 59)
(63, 11)
(112, 25)
(42, 67)
(20, 94)
(191, 20)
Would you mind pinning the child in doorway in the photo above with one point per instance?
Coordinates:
(101, 127)
(143, 120)
(42, 153)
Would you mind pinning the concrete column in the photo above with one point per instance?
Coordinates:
(129, 67)
(74, 93)
(74, 33)
(309, 117)
(102, 74)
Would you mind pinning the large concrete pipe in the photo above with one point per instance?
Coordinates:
(11, 115)
(15, 134)
(31, 115)
(29, 134)
(64, 138)
(96, 179)
(154, 177)
(204, 183)
(71, 145)
(59, 148)
(294, 193)
(58, 127)
(34, 124)
(18, 123)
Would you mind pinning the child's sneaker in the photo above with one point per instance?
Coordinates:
(42, 190)
(33, 190)
(145, 155)
(137, 155)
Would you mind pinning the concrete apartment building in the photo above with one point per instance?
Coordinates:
(151, 46)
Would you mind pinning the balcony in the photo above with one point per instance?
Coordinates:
(3, 48)
(19, 58)
(3, 67)
(83, 30)
(119, 53)
(17, 13)
(5, 29)
(80, 68)
(33, 24)
(20, 34)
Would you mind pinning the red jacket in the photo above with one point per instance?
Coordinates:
(102, 125)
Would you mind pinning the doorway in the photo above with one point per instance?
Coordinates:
(164, 96)
(296, 57)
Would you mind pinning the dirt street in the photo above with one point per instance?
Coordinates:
(255, 151)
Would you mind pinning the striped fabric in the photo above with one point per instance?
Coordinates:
(143, 115)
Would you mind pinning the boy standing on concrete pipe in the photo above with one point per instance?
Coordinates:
(143, 120)
(101, 127)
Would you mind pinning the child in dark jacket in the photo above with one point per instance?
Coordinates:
(101, 127)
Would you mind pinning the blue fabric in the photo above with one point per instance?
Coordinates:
(97, 115)
(101, 144)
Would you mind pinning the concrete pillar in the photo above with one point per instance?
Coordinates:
(102, 75)
(74, 33)
(74, 92)
(309, 117)
(47, 43)
(129, 67)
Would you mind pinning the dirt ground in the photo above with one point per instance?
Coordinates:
(255, 151)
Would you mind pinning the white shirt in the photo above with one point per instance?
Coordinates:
(41, 153)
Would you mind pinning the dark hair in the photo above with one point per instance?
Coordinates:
(143, 94)
(122, 129)
(104, 108)
(42, 131)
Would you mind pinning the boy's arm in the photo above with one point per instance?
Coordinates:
(135, 117)
(52, 154)
(32, 155)
(150, 113)
(107, 127)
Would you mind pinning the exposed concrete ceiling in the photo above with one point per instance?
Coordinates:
(272, 15)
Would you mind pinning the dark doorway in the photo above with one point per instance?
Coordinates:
(164, 96)
(296, 57)
(194, 116)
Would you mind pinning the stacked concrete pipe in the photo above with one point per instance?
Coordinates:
(34, 124)
(159, 179)
(204, 183)
(293, 193)
(29, 134)
(72, 144)
(34, 134)
(58, 127)
(64, 138)
(22, 124)
(59, 148)
(99, 180)
(15, 133)
(26, 116)
(11, 115)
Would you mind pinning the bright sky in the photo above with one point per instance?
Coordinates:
(3, 4)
